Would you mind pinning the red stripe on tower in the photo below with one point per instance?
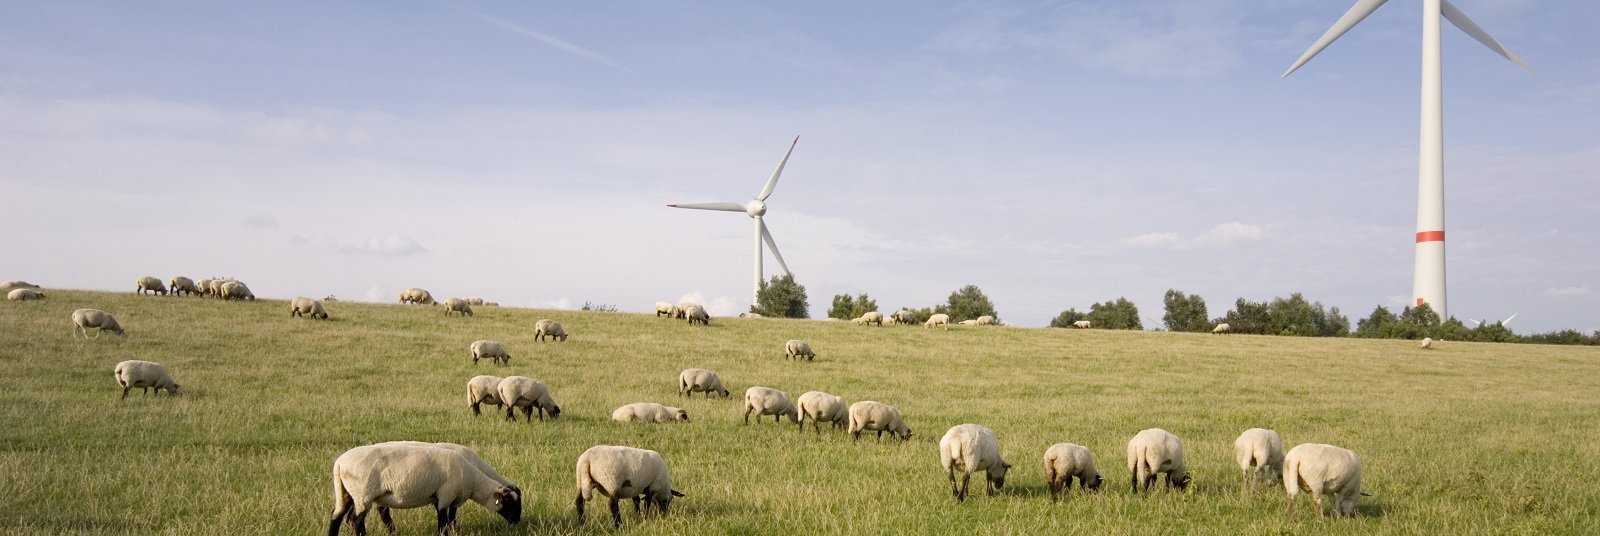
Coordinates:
(1430, 236)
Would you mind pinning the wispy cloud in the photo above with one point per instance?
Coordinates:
(1219, 236)
(553, 41)
(393, 245)
(1569, 291)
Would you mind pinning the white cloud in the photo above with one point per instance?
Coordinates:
(1221, 235)
(375, 293)
(563, 304)
(259, 221)
(718, 306)
(1569, 291)
(1154, 240)
(394, 245)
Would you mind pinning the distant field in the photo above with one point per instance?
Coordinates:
(1467, 438)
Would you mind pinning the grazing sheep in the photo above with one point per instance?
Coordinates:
(84, 319)
(905, 317)
(24, 294)
(877, 416)
(666, 309)
(9, 285)
(1260, 454)
(872, 317)
(404, 475)
(765, 401)
(859, 320)
(649, 412)
(528, 394)
(1427, 343)
(822, 407)
(697, 314)
(1155, 451)
(152, 284)
(986, 320)
(940, 319)
(1062, 462)
(624, 473)
(483, 390)
(491, 304)
(1323, 470)
(235, 290)
(549, 328)
(457, 305)
(1082, 324)
(306, 306)
(205, 286)
(466, 452)
(796, 349)
(490, 349)
(1221, 329)
(474, 301)
(972, 448)
(180, 284)
(695, 380)
(146, 375)
(890, 321)
(968, 322)
(682, 311)
(417, 296)
(752, 315)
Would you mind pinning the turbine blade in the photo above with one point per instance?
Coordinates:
(772, 183)
(767, 236)
(1456, 17)
(1350, 19)
(1475, 323)
(727, 206)
(1507, 321)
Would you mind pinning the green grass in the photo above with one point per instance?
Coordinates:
(1467, 438)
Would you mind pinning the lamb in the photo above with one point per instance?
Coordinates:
(24, 294)
(528, 394)
(649, 412)
(1155, 451)
(9, 285)
(235, 290)
(765, 401)
(870, 415)
(410, 476)
(968, 322)
(1323, 469)
(1083, 324)
(490, 349)
(666, 309)
(457, 305)
(483, 390)
(181, 284)
(694, 380)
(417, 296)
(94, 318)
(549, 328)
(822, 407)
(940, 319)
(796, 349)
(1062, 462)
(1260, 454)
(697, 314)
(872, 317)
(905, 317)
(624, 472)
(306, 306)
(972, 448)
(152, 284)
(1427, 343)
(146, 375)
(1221, 329)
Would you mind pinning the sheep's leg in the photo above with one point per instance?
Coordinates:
(1056, 487)
(880, 436)
(1316, 497)
(527, 414)
(954, 491)
(747, 410)
(578, 502)
(541, 414)
(966, 479)
(616, 513)
(125, 390)
(442, 512)
(636, 510)
(511, 412)
(475, 410)
(775, 417)
(359, 520)
(385, 516)
(855, 437)
(1133, 480)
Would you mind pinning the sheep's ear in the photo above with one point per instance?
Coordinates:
(676, 493)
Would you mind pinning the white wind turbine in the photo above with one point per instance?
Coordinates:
(755, 209)
(1427, 283)
(1506, 322)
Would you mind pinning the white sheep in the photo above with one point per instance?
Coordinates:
(796, 349)
(765, 401)
(1063, 462)
(904, 316)
(24, 294)
(213, 287)
(481, 390)
(1082, 324)
(151, 284)
(1260, 454)
(306, 306)
(146, 375)
(624, 473)
(1156, 451)
(549, 328)
(1323, 470)
(417, 296)
(666, 309)
(682, 311)
(986, 320)
(872, 317)
(457, 305)
(822, 407)
(8, 285)
(236, 290)
(972, 448)
(411, 476)
(1427, 343)
(474, 301)
(84, 319)
(528, 394)
(890, 320)
(492, 350)
(205, 286)
(940, 319)
(649, 412)
(466, 452)
(1221, 329)
(491, 304)
(697, 314)
(968, 322)
(695, 380)
(180, 284)
(752, 315)
(879, 417)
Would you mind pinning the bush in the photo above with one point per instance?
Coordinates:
(782, 297)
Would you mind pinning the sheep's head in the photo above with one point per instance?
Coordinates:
(507, 501)
(683, 415)
(998, 475)
(1181, 482)
(725, 393)
(118, 331)
(555, 411)
(664, 500)
(905, 435)
(1094, 484)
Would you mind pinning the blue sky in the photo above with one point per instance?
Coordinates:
(1056, 154)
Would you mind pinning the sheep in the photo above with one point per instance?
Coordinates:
(84, 319)
(235, 290)
(9, 285)
(986, 320)
(872, 317)
(822, 407)
(796, 349)
(213, 287)
(151, 284)
(1427, 343)
(968, 322)
(1221, 329)
(1155, 451)
(410, 476)
(528, 394)
(1083, 324)
(1323, 469)
(474, 301)
(491, 304)
(1062, 462)
(940, 319)
(483, 390)
(649, 412)
(752, 315)
(765, 401)
(490, 349)
(24, 294)
(205, 286)
(417, 296)
(904, 316)
(144, 375)
(972, 448)
(624, 472)
(877, 416)
(859, 320)
(890, 321)
(549, 328)
(471, 456)
(698, 379)
(666, 309)
(682, 311)
(181, 284)
(1260, 454)
(697, 314)
(306, 306)
(457, 305)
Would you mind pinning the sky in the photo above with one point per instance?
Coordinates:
(1056, 154)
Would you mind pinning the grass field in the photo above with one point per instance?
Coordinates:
(1467, 438)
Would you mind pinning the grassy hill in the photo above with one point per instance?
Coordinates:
(1467, 438)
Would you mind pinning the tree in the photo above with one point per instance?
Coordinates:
(1377, 325)
(1247, 317)
(1066, 318)
(922, 314)
(1185, 313)
(847, 308)
(782, 297)
(1416, 323)
(1119, 314)
(968, 303)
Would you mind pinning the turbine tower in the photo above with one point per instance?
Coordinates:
(755, 209)
(1427, 282)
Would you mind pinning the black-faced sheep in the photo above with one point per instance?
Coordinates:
(411, 476)
(83, 319)
(146, 375)
(970, 448)
(624, 473)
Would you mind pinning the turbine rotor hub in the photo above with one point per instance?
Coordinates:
(755, 209)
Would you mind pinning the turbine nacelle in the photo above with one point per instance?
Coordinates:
(755, 209)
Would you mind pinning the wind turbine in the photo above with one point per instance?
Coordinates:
(1427, 280)
(755, 209)
(1504, 323)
